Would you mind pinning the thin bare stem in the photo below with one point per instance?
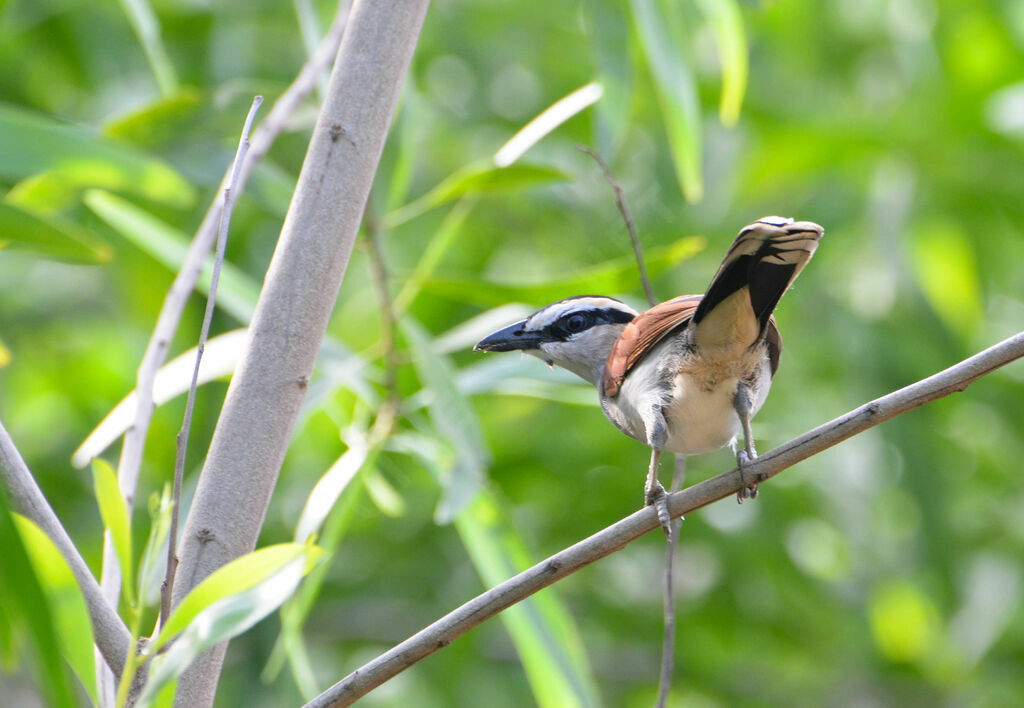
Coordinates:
(620, 534)
(298, 296)
(668, 643)
(384, 423)
(184, 283)
(620, 201)
(110, 633)
(211, 301)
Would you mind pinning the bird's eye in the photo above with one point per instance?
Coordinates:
(576, 323)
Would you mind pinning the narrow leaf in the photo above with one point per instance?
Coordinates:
(65, 600)
(549, 119)
(27, 607)
(726, 24)
(115, 520)
(172, 379)
(236, 291)
(453, 416)
(153, 565)
(330, 486)
(474, 179)
(241, 594)
(676, 91)
(31, 144)
(614, 276)
(240, 575)
(542, 629)
(49, 237)
(440, 244)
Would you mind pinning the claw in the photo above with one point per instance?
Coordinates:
(747, 491)
(657, 497)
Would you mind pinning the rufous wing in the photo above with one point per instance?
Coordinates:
(642, 334)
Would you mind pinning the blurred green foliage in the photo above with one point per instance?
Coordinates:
(885, 571)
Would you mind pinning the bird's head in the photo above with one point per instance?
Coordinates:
(576, 333)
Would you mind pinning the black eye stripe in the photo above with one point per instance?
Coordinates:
(560, 329)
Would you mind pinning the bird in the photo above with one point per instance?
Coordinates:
(689, 374)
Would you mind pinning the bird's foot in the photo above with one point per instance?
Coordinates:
(657, 497)
(747, 491)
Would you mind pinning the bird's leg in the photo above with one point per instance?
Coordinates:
(742, 403)
(654, 494)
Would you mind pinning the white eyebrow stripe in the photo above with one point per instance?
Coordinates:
(553, 312)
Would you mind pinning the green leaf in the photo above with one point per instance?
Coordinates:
(676, 90)
(65, 600)
(31, 144)
(227, 603)
(614, 276)
(23, 230)
(289, 645)
(240, 575)
(332, 485)
(153, 565)
(726, 24)
(542, 629)
(146, 26)
(454, 419)
(440, 243)
(163, 119)
(477, 178)
(236, 291)
(27, 608)
(114, 513)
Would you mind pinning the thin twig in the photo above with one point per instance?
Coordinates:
(211, 301)
(668, 643)
(615, 537)
(298, 296)
(385, 421)
(110, 633)
(184, 283)
(620, 200)
(679, 469)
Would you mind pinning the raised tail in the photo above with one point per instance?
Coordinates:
(761, 264)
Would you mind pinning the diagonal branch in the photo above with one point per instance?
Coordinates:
(111, 635)
(613, 538)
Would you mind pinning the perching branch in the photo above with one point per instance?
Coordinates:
(211, 300)
(111, 635)
(618, 535)
(302, 283)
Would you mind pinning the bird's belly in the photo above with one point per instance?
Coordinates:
(701, 419)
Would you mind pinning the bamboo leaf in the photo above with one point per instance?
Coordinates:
(115, 520)
(236, 291)
(65, 600)
(49, 237)
(676, 91)
(726, 24)
(615, 276)
(31, 144)
(153, 565)
(240, 575)
(27, 608)
(480, 178)
(454, 419)
(227, 603)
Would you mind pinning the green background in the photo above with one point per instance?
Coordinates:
(884, 571)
